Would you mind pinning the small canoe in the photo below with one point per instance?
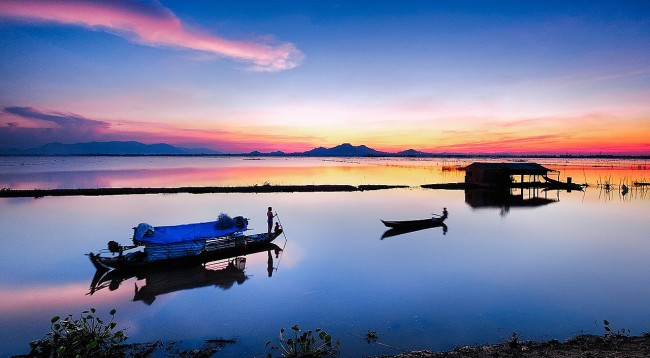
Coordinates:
(402, 231)
(411, 224)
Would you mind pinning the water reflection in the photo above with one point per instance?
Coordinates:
(112, 172)
(637, 190)
(507, 198)
(584, 259)
(222, 273)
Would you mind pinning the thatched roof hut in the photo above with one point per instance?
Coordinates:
(501, 174)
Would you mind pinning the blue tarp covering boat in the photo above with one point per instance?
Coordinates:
(181, 244)
(225, 226)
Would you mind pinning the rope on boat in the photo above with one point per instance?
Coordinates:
(285, 240)
(284, 232)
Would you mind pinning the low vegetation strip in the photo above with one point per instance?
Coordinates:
(38, 193)
(583, 346)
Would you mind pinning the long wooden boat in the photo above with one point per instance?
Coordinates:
(169, 246)
(412, 224)
(213, 249)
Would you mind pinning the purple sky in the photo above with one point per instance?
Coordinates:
(454, 76)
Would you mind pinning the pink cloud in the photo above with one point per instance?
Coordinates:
(154, 25)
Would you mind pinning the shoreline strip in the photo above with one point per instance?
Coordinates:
(39, 193)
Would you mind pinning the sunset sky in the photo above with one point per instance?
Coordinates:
(528, 77)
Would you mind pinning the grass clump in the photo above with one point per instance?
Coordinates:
(306, 344)
(88, 336)
(614, 333)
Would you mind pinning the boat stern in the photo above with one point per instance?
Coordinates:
(97, 262)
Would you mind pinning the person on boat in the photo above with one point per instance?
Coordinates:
(445, 213)
(269, 217)
(277, 228)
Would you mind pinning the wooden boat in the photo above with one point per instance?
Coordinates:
(169, 246)
(556, 184)
(402, 231)
(214, 249)
(414, 224)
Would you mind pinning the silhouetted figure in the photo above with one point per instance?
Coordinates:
(269, 219)
(445, 213)
(269, 268)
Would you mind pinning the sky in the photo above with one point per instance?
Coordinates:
(520, 77)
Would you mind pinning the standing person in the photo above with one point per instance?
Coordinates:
(269, 219)
(445, 213)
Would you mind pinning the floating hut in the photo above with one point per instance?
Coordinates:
(503, 174)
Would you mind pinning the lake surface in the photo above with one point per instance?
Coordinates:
(540, 264)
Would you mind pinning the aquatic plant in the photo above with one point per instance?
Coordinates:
(305, 344)
(513, 342)
(614, 333)
(371, 337)
(84, 337)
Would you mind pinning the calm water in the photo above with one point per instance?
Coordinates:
(547, 271)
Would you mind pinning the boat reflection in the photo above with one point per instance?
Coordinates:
(401, 231)
(223, 273)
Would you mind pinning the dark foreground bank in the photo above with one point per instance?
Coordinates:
(610, 346)
(587, 346)
(89, 335)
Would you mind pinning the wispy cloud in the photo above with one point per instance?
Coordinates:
(151, 24)
(26, 126)
(65, 121)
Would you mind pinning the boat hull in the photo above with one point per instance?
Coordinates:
(402, 231)
(413, 224)
(241, 245)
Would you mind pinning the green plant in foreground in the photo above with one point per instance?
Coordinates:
(615, 333)
(83, 337)
(305, 344)
(513, 342)
(371, 337)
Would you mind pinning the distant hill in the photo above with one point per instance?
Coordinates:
(342, 150)
(110, 148)
(412, 153)
(345, 150)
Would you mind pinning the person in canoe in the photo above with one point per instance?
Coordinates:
(445, 213)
